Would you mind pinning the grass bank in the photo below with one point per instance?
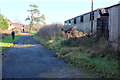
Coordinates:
(7, 42)
(105, 67)
(96, 56)
(32, 32)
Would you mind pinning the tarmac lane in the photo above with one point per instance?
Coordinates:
(28, 59)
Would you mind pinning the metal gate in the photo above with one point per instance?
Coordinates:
(102, 27)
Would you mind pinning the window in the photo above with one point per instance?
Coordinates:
(69, 21)
(91, 15)
(74, 21)
(81, 19)
(65, 21)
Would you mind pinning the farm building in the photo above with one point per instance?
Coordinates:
(18, 26)
(15, 26)
(10, 25)
(106, 22)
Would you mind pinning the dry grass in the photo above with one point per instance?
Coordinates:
(4, 33)
(102, 48)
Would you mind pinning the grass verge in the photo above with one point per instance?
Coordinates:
(89, 53)
(103, 67)
(7, 42)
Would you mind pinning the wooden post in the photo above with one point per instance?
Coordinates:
(91, 16)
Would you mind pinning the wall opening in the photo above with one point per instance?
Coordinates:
(74, 21)
(103, 12)
(69, 21)
(82, 19)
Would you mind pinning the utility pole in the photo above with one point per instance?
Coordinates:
(91, 16)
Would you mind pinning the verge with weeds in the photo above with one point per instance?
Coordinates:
(97, 56)
(7, 42)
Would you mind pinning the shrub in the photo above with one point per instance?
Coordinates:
(77, 42)
(3, 22)
(102, 48)
(50, 31)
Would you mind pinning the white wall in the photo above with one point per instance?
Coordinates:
(11, 27)
(114, 25)
(86, 24)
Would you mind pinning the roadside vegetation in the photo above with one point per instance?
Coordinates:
(89, 53)
(32, 32)
(5, 35)
(3, 22)
(7, 42)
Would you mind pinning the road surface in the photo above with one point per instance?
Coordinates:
(28, 59)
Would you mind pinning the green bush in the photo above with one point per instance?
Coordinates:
(3, 22)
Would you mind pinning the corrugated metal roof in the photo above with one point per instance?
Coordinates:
(113, 6)
(94, 11)
(81, 15)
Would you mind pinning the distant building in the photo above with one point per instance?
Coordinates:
(19, 26)
(10, 25)
(16, 26)
(106, 22)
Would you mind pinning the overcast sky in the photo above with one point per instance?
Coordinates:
(56, 11)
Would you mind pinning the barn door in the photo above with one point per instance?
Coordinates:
(102, 27)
